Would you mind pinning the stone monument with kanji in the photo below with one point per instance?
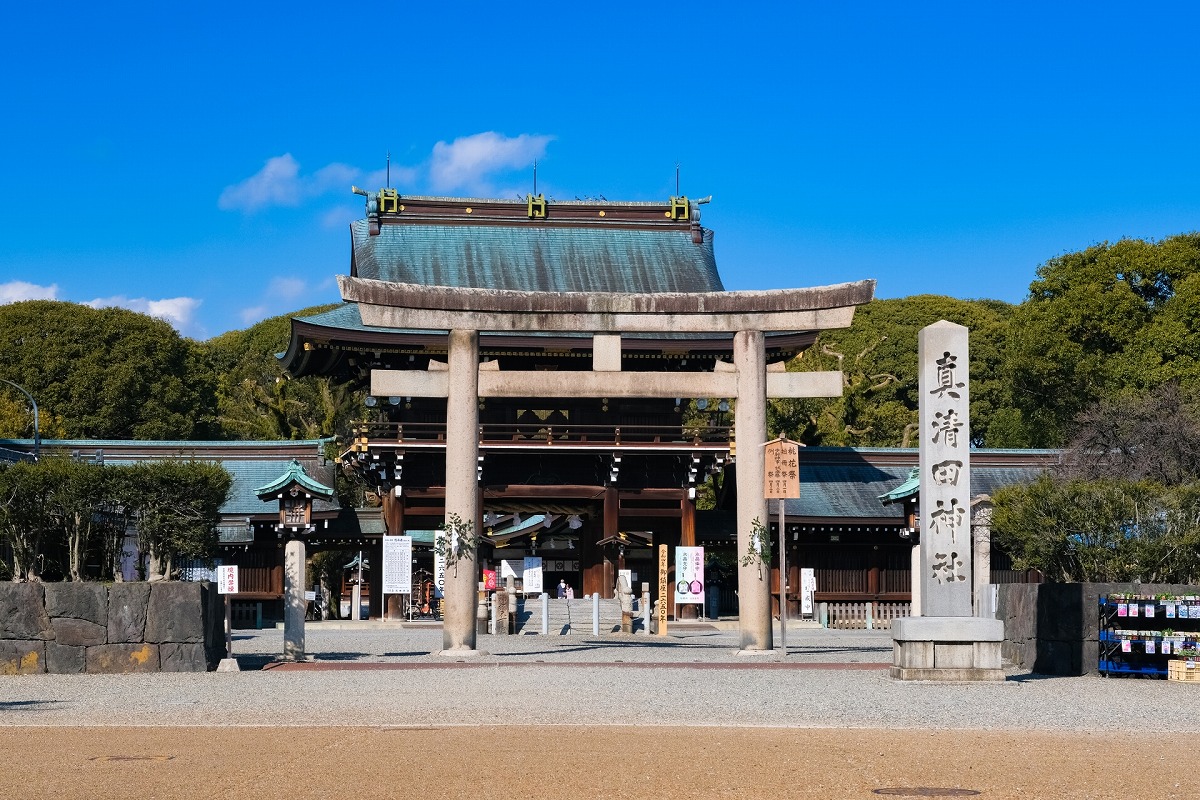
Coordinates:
(946, 641)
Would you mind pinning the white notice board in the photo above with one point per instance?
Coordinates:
(532, 575)
(808, 586)
(227, 579)
(397, 565)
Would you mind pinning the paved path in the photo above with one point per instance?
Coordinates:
(582, 716)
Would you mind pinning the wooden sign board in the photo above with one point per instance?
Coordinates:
(662, 590)
(782, 473)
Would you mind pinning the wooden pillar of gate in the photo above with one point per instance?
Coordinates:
(611, 527)
(591, 557)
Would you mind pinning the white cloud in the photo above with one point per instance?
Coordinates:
(279, 183)
(276, 183)
(253, 314)
(179, 311)
(332, 177)
(16, 291)
(287, 288)
(336, 218)
(468, 162)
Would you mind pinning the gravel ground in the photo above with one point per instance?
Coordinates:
(393, 677)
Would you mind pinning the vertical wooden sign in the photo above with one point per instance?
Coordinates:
(662, 590)
(781, 480)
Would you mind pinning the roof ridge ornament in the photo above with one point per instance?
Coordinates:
(536, 206)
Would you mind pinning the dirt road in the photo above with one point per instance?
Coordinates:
(586, 762)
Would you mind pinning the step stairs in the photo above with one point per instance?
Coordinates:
(568, 617)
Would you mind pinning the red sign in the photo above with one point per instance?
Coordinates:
(489, 579)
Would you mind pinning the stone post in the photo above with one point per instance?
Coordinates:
(981, 537)
(294, 603)
(915, 566)
(750, 426)
(645, 608)
(515, 603)
(500, 612)
(948, 642)
(945, 452)
(462, 487)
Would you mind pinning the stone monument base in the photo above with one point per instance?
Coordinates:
(461, 652)
(947, 649)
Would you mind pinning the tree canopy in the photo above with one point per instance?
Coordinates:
(1105, 322)
(177, 505)
(255, 400)
(57, 511)
(1101, 530)
(103, 373)
(877, 355)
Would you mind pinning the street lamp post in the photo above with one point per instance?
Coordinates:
(37, 436)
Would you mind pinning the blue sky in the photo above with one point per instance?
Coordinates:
(195, 161)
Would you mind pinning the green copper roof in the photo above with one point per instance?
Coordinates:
(295, 474)
(906, 489)
(535, 258)
(833, 484)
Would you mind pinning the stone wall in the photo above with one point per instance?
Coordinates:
(1053, 628)
(119, 627)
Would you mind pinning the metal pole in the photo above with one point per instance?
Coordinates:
(782, 580)
(37, 436)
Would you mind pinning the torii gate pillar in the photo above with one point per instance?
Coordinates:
(462, 488)
(750, 423)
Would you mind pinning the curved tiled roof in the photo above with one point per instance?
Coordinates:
(295, 473)
(547, 259)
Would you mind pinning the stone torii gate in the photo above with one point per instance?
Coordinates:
(465, 312)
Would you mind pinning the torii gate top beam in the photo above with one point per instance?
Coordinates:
(404, 305)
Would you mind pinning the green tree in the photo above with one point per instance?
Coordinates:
(105, 373)
(325, 569)
(177, 505)
(23, 518)
(1101, 530)
(877, 355)
(256, 400)
(74, 495)
(1100, 322)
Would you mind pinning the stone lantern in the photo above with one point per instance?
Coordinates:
(295, 490)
